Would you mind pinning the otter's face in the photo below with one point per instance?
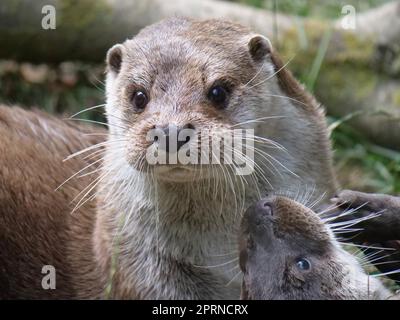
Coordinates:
(284, 251)
(176, 84)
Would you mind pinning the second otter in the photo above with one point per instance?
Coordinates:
(288, 252)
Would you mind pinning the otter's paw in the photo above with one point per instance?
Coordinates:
(381, 213)
(367, 202)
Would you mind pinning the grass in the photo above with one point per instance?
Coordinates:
(53, 89)
(368, 167)
(312, 76)
(315, 8)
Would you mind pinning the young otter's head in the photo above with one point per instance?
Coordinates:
(288, 252)
(206, 77)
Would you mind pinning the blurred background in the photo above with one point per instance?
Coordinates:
(354, 71)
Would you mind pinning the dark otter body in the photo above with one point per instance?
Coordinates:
(382, 231)
(288, 252)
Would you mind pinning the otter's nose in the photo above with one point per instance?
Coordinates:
(260, 213)
(175, 136)
(264, 207)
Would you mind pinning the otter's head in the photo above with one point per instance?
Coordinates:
(288, 252)
(199, 78)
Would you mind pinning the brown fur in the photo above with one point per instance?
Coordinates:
(36, 225)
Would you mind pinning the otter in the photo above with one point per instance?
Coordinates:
(288, 252)
(164, 231)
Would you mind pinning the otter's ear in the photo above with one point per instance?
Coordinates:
(114, 58)
(259, 47)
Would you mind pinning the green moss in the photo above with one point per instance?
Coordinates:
(396, 98)
(344, 46)
(356, 50)
(346, 69)
(82, 14)
(313, 29)
(345, 83)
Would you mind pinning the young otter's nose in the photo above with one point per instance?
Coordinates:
(264, 207)
(175, 136)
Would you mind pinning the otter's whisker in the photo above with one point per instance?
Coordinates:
(82, 201)
(256, 166)
(286, 97)
(347, 224)
(344, 213)
(87, 109)
(274, 74)
(386, 262)
(346, 231)
(218, 265)
(372, 261)
(309, 196)
(224, 254)
(372, 254)
(364, 246)
(255, 75)
(385, 273)
(98, 145)
(97, 122)
(89, 173)
(318, 200)
(257, 120)
(233, 279)
(76, 173)
(108, 115)
(268, 141)
(90, 187)
(304, 195)
(326, 210)
(94, 154)
(259, 151)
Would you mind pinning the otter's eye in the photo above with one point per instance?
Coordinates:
(218, 95)
(303, 264)
(139, 100)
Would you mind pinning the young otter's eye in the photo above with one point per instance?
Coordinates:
(218, 95)
(139, 100)
(303, 264)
